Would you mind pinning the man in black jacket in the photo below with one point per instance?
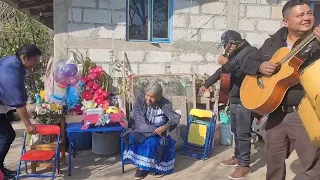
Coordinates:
(240, 117)
(284, 129)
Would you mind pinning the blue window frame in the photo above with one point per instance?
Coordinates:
(150, 20)
(315, 6)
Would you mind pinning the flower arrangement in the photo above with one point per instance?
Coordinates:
(50, 114)
(46, 113)
(94, 94)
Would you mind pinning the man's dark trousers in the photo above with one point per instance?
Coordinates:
(284, 133)
(241, 128)
(7, 135)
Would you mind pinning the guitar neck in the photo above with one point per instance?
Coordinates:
(299, 47)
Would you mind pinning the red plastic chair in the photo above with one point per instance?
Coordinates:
(41, 155)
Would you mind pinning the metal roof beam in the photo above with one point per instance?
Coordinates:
(35, 4)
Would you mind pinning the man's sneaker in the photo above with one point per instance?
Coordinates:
(240, 173)
(230, 162)
(140, 174)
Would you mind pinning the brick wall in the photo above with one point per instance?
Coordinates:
(258, 20)
(95, 27)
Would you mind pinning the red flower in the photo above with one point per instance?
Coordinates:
(98, 71)
(86, 95)
(89, 84)
(92, 76)
(95, 96)
(92, 91)
(95, 86)
(105, 94)
(99, 101)
(84, 80)
(100, 90)
(91, 70)
(105, 104)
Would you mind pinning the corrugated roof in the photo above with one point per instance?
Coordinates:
(42, 10)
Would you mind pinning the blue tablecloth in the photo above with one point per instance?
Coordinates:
(76, 128)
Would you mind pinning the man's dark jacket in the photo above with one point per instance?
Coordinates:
(268, 49)
(234, 66)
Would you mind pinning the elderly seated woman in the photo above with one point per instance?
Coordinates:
(147, 143)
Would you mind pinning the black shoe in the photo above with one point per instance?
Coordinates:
(140, 174)
(10, 177)
(7, 172)
(158, 175)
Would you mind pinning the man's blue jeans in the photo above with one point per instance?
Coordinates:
(7, 135)
(241, 123)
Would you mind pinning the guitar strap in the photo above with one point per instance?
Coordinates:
(226, 109)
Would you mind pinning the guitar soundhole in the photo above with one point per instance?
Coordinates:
(260, 82)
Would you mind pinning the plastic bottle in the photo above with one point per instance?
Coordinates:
(38, 98)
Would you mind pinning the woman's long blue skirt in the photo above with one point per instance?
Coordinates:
(145, 155)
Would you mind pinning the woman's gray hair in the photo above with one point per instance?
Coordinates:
(154, 88)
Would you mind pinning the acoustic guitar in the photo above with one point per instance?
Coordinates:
(225, 78)
(224, 87)
(263, 94)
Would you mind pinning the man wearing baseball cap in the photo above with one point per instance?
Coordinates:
(240, 117)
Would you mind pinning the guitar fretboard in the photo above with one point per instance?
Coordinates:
(298, 48)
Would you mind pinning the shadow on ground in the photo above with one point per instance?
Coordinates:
(257, 158)
(183, 162)
(87, 163)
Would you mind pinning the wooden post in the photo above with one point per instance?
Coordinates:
(194, 99)
(63, 139)
(124, 85)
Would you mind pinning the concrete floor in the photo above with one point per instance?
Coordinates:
(90, 166)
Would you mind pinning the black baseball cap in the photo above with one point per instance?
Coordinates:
(229, 36)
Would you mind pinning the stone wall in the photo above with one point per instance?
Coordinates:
(97, 27)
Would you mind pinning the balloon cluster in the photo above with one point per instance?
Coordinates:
(66, 73)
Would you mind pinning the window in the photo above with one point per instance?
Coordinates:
(315, 6)
(149, 20)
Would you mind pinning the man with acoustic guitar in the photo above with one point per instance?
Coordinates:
(284, 129)
(236, 51)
